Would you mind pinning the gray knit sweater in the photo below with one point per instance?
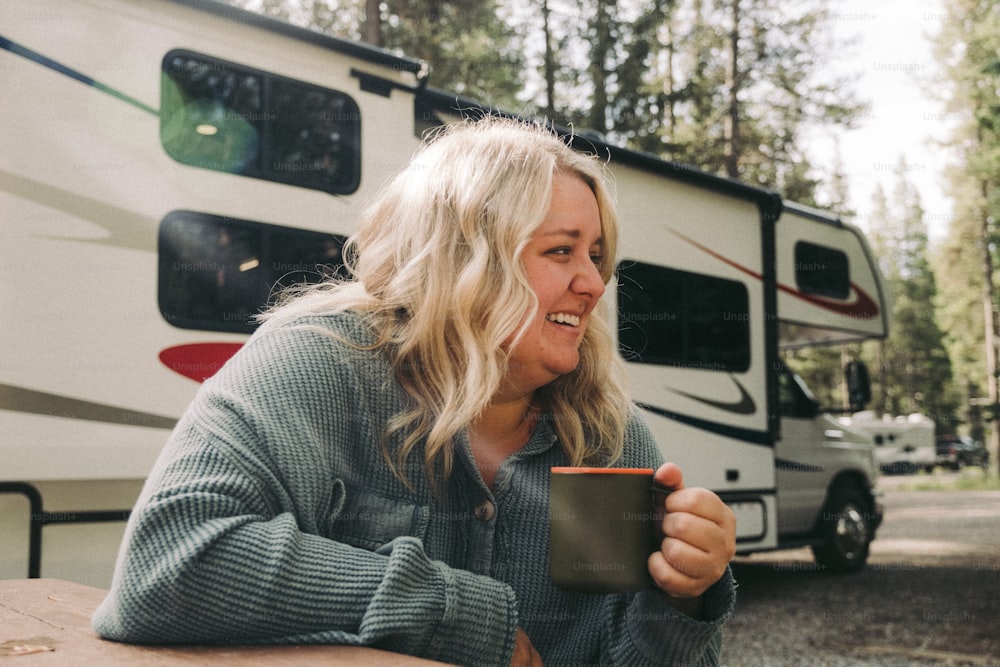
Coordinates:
(271, 517)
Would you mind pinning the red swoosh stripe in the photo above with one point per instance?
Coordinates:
(863, 307)
(198, 361)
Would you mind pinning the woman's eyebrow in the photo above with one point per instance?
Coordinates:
(572, 233)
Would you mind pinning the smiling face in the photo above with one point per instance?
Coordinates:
(561, 262)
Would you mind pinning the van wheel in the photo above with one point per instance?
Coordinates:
(844, 531)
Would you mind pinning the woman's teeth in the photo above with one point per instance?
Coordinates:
(564, 318)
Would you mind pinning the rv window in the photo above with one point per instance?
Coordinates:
(678, 318)
(216, 273)
(822, 270)
(227, 117)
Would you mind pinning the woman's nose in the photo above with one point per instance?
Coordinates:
(588, 280)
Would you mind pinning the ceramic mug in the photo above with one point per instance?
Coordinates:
(603, 526)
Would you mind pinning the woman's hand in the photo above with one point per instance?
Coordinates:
(525, 654)
(699, 542)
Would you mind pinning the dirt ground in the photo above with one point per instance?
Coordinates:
(929, 596)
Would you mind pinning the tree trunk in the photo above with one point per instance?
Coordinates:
(549, 64)
(668, 79)
(598, 116)
(731, 128)
(373, 23)
(989, 321)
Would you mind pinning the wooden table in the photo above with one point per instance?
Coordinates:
(47, 622)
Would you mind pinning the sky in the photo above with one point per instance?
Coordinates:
(892, 60)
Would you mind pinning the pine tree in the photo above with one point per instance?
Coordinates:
(748, 78)
(913, 367)
(642, 110)
(969, 47)
(471, 48)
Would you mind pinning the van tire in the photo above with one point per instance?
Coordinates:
(844, 530)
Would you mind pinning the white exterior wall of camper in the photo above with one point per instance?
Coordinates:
(698, 409)
(85, 401)
(107, 292)
(829, 286)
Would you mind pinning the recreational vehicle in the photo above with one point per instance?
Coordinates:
(902, 444)
(167, 164)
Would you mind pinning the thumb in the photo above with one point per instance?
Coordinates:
(669, 475)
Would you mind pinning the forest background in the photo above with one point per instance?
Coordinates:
(733, 87)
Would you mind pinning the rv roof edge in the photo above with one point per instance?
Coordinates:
(769, 201)
(419, 68)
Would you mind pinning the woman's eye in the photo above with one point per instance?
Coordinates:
(566, 251)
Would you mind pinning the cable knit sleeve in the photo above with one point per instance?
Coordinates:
(235, 537)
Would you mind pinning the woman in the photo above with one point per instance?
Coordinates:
(372, 467)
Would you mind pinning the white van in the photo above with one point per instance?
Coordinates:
(166, 163)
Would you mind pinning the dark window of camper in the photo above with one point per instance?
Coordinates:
(216, 273)
(227, 117)
(822, 270)
(679, 318)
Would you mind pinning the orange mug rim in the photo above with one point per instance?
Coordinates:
(602, 471)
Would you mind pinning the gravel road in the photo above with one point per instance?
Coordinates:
(929, 596)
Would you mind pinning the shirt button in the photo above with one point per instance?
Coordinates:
(484, 511)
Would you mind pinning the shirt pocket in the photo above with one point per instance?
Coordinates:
(368, 520)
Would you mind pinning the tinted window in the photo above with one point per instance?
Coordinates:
(216, 273)
(793, 399)
(822, 270)
(679, 318)
(227, 117)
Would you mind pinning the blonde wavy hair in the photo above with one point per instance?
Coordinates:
(437, 271)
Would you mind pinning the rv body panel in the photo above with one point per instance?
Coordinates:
(88, 181)
(697, 230)
(87, 396)
(709, 411)
(829, 286)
